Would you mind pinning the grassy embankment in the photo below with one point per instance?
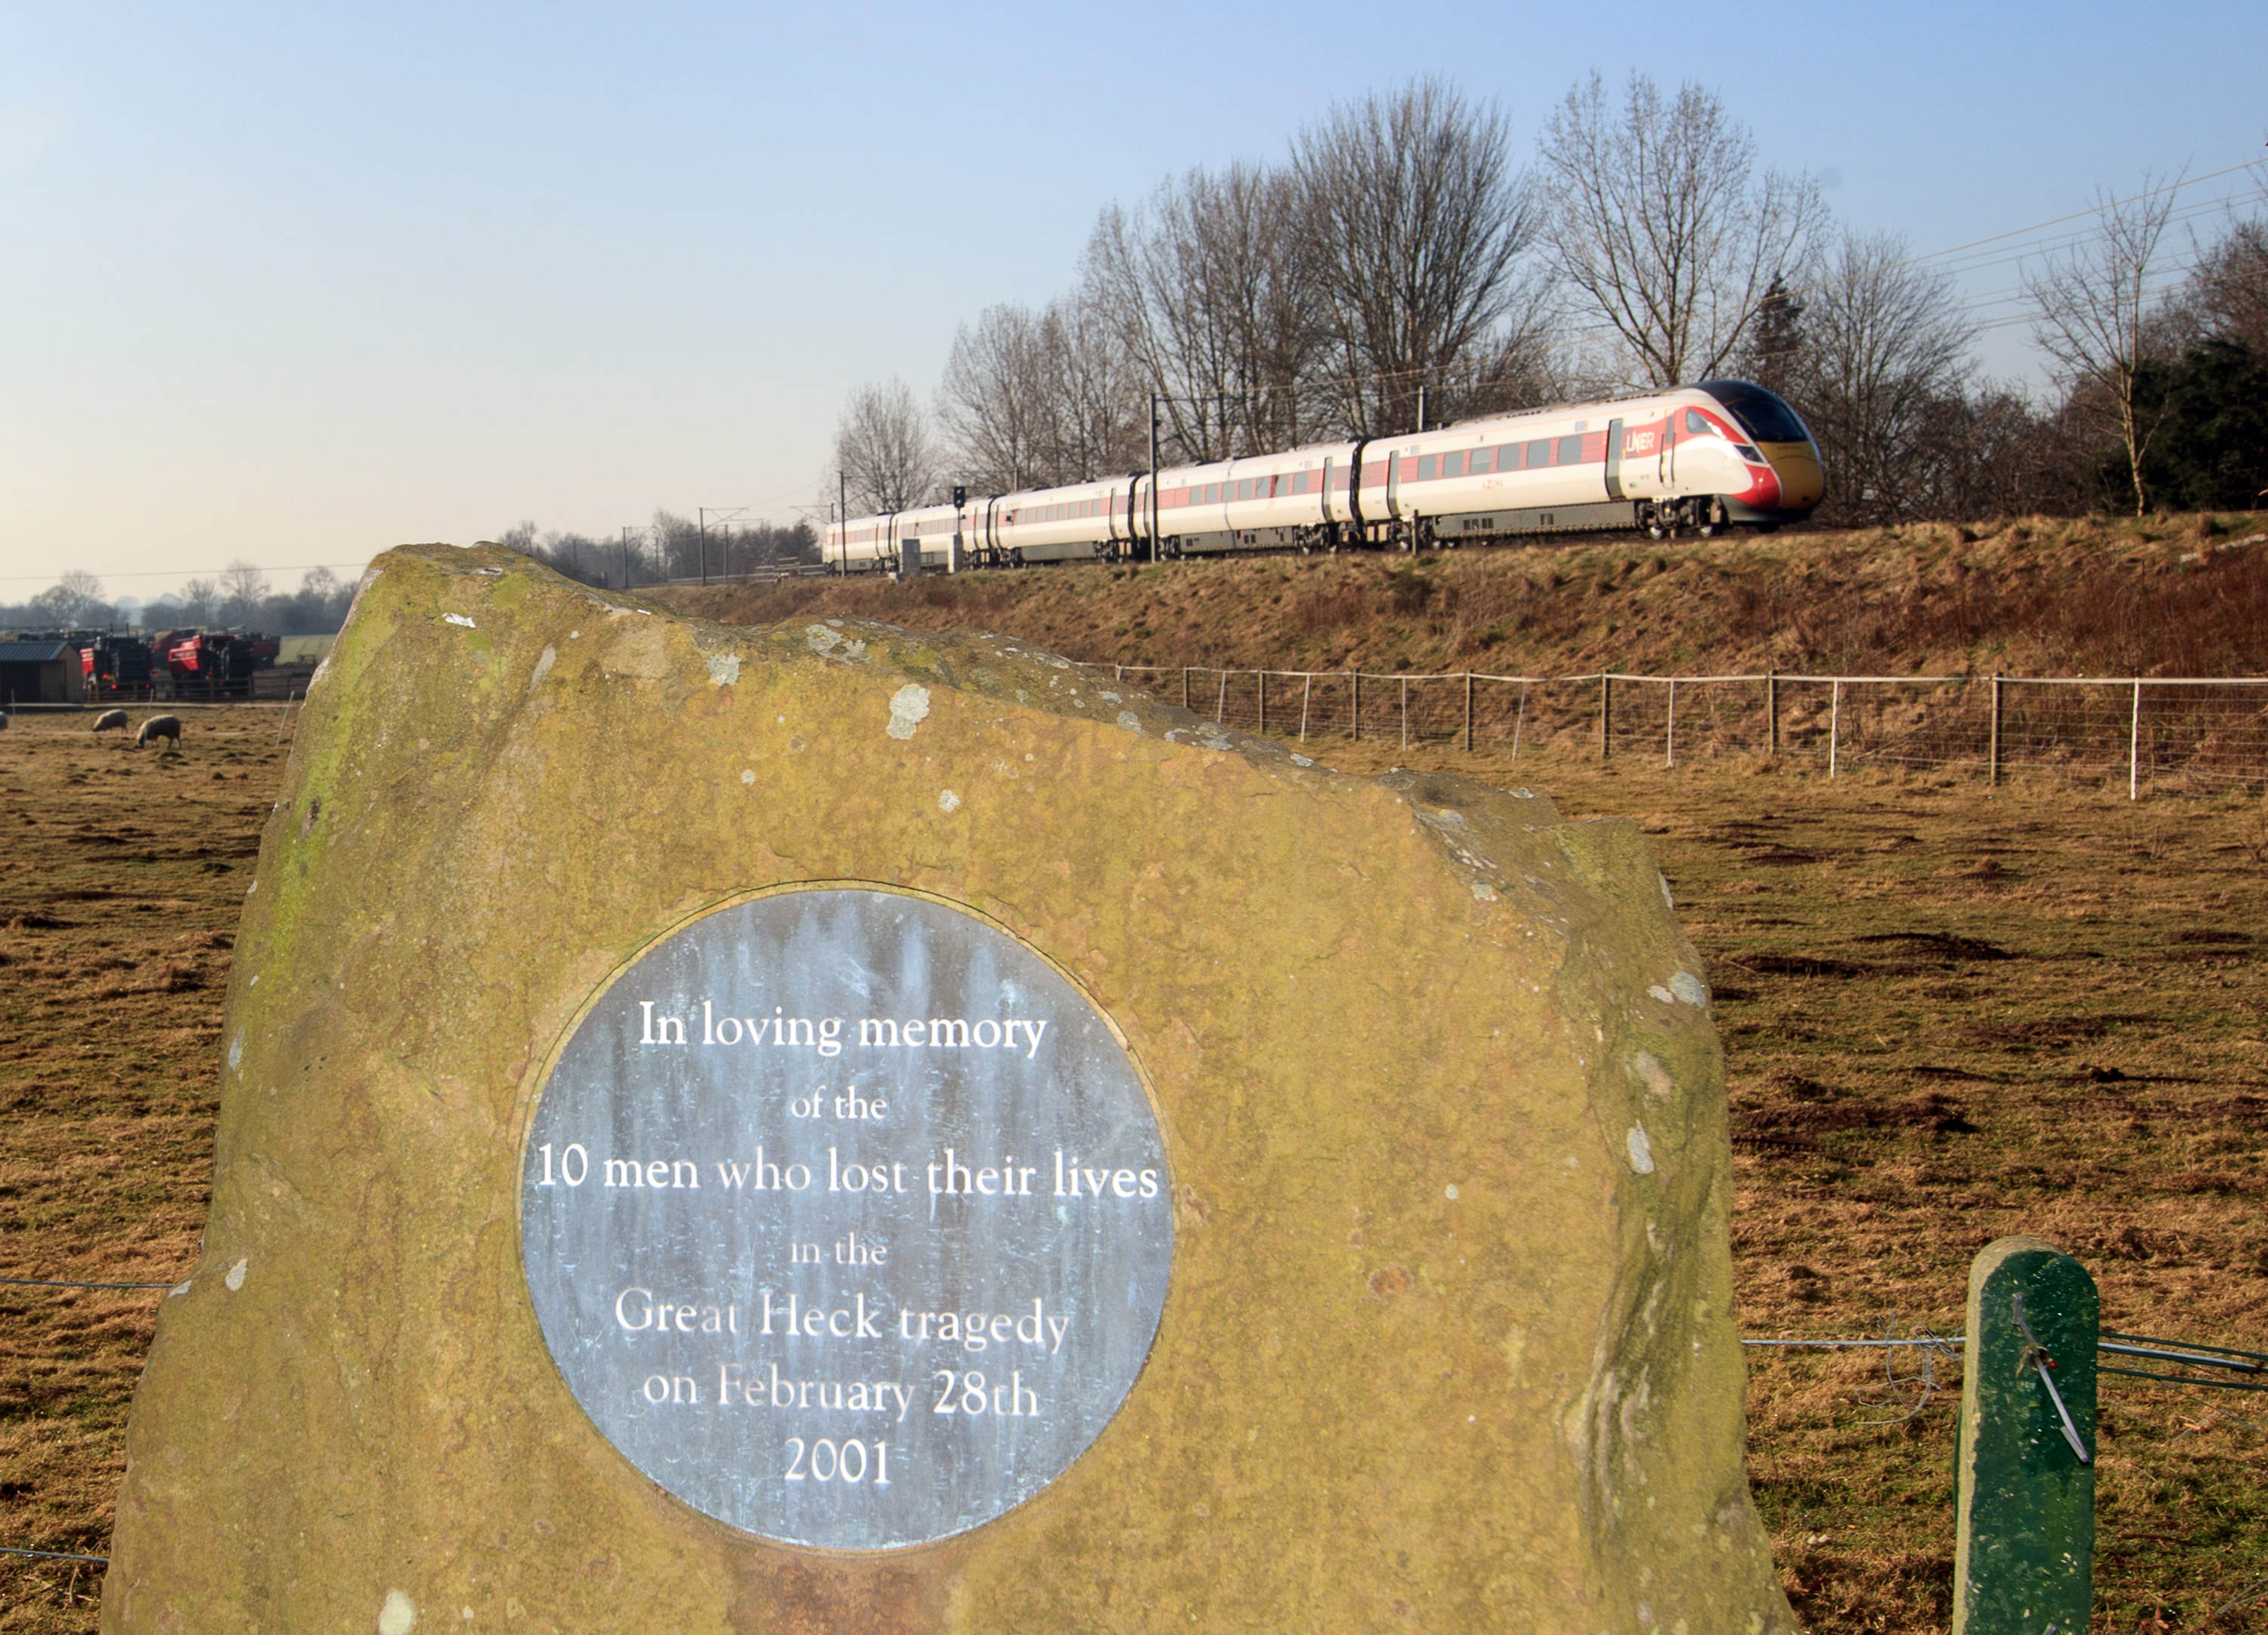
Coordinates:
(2180, 596)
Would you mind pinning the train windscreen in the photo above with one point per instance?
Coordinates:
(1767, 418)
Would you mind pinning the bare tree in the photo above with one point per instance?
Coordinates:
(882, 445)
(243, 587)
(994, 399)
(1094, 428)
(1420, 225)
(198, 602)
(2092, 311)
(2228, 291)
(1662, 225)
(1879, 343)
(1209, 289)
(73, 601)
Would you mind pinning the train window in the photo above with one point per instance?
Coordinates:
(1539, 452)
(1298, 483)
(1454, 465)
(1480, 462)
(1571, 450)
(1507, 458)
(1696, 423)
(1425, 467)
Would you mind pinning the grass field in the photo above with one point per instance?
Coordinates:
(1948, 1015)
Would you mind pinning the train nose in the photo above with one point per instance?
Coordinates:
(1801, 481)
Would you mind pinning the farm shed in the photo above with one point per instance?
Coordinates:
(40, 672)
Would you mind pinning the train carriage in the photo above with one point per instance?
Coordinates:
(1693, 458)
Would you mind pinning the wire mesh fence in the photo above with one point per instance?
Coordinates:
(2149, 729)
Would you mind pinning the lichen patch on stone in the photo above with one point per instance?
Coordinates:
(398, 1616)
(908, 708)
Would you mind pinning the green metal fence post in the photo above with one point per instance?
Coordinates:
(2024, 1545)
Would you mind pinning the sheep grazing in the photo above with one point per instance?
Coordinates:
(159, 727)
(110, 720)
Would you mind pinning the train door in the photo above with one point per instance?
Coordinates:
(1329, 514)
(1615, 459)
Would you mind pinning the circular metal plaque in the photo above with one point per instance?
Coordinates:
(846, 1219)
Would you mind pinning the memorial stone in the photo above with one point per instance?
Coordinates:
(823, 1128)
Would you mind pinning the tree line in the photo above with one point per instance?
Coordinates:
(670, 547)
(242, 597)
(1402, 267)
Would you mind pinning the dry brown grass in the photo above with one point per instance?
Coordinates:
(2032, 596)
(1948, 1014)
(119, 890)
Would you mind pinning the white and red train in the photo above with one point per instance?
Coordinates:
(1694, 458)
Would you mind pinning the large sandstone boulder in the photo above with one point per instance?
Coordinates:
(1403, 1295)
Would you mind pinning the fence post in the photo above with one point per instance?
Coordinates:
(1771, 706)
(1185, 687)
(2134, 745)
(1405, 712)
(1262, 674)
(1671, 743)
(1834, 725)
(1468, 712)
(1307, 693)
(1354, 715)
(1605, 713)
(1220, 704)
(2024, 1507)
(1518, 722)
(1995, 755)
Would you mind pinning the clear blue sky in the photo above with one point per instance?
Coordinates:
(295, 284)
